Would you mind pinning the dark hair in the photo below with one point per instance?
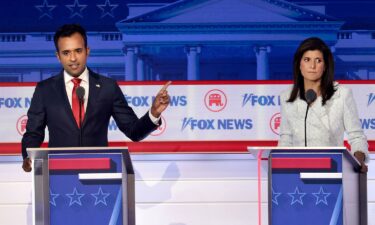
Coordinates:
(68, 30)
(327, 88)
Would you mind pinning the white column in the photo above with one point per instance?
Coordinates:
(263, 71)
(130, 62)
(148, 68)
(157, 76)
(150, 73)
(140, 68)
(192, 53)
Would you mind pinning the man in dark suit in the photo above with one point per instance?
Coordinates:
(55, 102)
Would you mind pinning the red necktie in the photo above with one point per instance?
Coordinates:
(75, 101)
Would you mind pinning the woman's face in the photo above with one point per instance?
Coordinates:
(312, 66)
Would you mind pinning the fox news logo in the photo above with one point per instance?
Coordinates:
(262, 100)
(368, 123)
(215, 100)
(371, 99)
(219, 124)
(15, 102)
(146, 101)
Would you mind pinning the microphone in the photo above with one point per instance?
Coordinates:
(80, 91)
(310, 97)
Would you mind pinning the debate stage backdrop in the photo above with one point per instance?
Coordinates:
(196, 44)
(187, 39)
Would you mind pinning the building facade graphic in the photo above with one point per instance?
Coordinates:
(188, 39)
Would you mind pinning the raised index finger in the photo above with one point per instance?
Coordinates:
(164, 88)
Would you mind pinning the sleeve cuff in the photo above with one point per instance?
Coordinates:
(153, 118)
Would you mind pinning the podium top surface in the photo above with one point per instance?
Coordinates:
(43, 152)
(264, 152)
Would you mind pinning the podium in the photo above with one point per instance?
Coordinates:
(89, 185)
(312, 186)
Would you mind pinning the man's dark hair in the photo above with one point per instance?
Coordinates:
(327, 88)
(68, 30)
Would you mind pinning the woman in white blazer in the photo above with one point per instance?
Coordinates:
(332, 113)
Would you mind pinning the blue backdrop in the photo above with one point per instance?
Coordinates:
(187, 40)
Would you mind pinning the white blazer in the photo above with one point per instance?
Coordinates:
(325, 124)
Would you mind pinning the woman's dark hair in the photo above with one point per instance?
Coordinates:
(68, 30)
(327, 88)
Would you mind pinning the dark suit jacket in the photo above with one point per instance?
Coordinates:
(50, 107)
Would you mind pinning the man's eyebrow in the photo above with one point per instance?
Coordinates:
(69, 50)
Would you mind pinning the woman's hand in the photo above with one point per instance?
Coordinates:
(360, 156)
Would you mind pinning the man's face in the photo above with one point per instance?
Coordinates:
(72, 54)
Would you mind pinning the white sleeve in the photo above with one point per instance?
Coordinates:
(153, 118)
(356, 138)
(286, 136)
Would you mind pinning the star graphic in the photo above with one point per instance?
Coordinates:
(45, 9)
(100, 197)
(275, 195)
(321, 196)
(52, 197)
(296, 196)
(76, 9)
(75, 197)
(107, 9)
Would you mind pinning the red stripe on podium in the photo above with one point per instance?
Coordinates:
(301, 163)
(80, 164)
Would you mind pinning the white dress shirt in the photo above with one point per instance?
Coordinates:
(85, 84)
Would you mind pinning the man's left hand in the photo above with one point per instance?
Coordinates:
(161, 101)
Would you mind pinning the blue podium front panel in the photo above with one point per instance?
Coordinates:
(312, 200)
(82, 193)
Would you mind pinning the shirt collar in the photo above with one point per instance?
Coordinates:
(84, 76)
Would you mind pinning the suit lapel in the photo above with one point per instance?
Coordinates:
(317, 115)
(94, 90)
(61, 91)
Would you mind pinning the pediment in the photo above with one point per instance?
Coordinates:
(230, 11)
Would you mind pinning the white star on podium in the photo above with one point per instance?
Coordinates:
(75, 197)
(100, 197)
(321, 196)
(296, 196)
(275, 195)
(53, 197)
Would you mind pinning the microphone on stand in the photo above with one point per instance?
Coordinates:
(310, 97)
(80, 91)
